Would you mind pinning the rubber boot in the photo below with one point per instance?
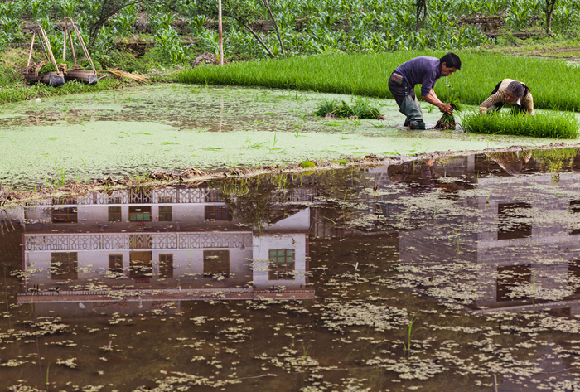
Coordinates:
(410, 108)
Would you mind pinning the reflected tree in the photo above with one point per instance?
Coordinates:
(554, 161)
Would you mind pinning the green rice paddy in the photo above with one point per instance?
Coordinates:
(553, 83)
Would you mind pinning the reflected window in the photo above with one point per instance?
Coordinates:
(216, 263)
(212, 195)
(140, 265)
(115, 214)
(63, 215)
(114, 200)
(165, 199)
(509, 278)
(560, 312)
(382, 209)
(574, 275)
(140, 214)
(575, 209)
(510, 224)
(140, 241)
(64, 265)
(116, 264)
(217, 213)
(166, 266)
(63, 200)
(281, 264)
(165, 213)
(140, 195)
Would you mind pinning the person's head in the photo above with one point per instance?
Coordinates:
(449, 63)
(514, 91)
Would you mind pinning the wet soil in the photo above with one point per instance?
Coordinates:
(444, 125)
(457, 272)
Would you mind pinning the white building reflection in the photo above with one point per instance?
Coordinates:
(501, 242)
(145, 248)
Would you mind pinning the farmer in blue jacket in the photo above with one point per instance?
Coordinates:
(423, 70)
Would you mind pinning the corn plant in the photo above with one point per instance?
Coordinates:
(170, 44)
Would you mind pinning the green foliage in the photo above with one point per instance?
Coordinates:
(308, 164)
(360, 107)
(8, 75)
(544, 125)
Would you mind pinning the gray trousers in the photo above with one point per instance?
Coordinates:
(405, 98)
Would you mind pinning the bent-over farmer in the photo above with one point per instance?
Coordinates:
(509, 92)
(423, 70)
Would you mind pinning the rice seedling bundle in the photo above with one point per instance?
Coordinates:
(553, 83)
(360, 108)
(544, 125)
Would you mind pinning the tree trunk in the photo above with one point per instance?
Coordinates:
(221, 32)
(108, 9)
(549, 10)
(275, 26)
(421, 7)
(260, 40)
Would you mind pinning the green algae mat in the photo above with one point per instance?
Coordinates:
(175, 127)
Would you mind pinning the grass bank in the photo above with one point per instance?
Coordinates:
(22, 92)
(367, 74)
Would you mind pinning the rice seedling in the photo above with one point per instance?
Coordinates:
(360, 108)
(447, 120)
(409, 333)
(543, 125)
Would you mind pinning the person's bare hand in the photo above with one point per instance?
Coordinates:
(446, 108)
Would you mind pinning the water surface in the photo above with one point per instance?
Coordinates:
(459, 275)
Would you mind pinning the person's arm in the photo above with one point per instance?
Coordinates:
(433, 100)
(528, 103)
(492, 100)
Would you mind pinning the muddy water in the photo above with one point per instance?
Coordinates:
(455, 275)
(115, 134)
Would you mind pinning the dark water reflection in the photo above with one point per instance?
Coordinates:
(455, 275)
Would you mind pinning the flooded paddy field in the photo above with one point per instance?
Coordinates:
(457, 274)
(51, 141)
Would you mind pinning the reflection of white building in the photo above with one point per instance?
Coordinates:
(502, 243)
(158, 245)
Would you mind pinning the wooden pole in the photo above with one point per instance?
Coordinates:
(221, 32)
(31, 47)
(72, 48)
(64, 44)
(82, 42)
(49, 49)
